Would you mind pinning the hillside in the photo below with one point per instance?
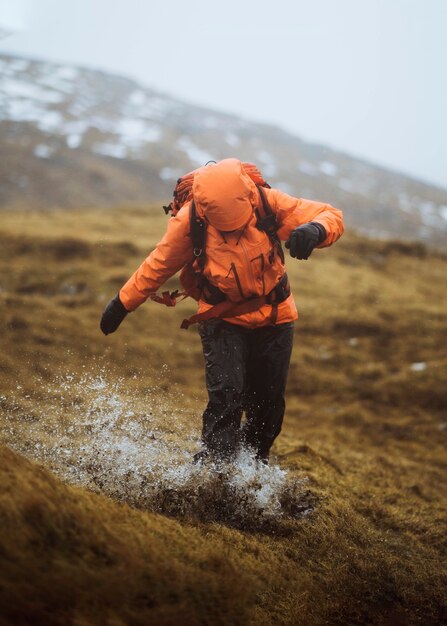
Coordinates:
(104, 518)
(71, 137)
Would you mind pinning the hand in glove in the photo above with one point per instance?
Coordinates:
(113, 315)
(304, 239)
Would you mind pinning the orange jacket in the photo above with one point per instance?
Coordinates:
(239, 263)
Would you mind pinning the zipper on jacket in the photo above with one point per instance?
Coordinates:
(249, 265)
(261, 256)
(236, 276)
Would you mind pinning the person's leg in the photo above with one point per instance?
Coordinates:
(268, 366)
(225, 348)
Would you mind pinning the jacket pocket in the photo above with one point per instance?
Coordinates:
(236, 278)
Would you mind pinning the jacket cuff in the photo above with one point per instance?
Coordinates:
(322, 231)
(119, 305)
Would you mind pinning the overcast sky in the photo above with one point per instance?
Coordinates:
(368, 77)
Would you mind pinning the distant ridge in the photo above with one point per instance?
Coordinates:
(73, 137)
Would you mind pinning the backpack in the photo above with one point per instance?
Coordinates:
(183, 189)
(191, 276)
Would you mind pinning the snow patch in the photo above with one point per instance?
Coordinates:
(285, 187)
(420, 366)
(232, 139)
(25, 110)
(74, 140)
(50, 121)
(405, 202)
(307, 168)
(328, 168)
(428, 213)
(67, 72)
(4, 67)
(42, 151)
(104, 124)
(18, 65)
(137, 97)
(135, 132)
(195, 154)
(211, 122)
(75, 127)
(346, 185)
(169, 173)
(269, 164)
(157, 108)
(110, 149)
(21, 89)
(20, 110)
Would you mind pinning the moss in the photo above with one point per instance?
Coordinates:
(367, 429)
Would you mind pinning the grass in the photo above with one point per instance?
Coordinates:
(364, 424)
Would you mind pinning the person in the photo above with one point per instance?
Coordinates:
(246, 310)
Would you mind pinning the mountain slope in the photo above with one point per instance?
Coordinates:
(120, 416)
(74, 137)
(65, 555)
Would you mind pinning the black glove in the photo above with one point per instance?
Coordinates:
(113, 315)
(304, 239)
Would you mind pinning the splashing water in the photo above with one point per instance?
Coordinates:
(134, 448)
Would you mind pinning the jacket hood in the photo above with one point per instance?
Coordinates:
(224, 194)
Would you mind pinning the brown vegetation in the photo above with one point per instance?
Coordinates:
(366, 425)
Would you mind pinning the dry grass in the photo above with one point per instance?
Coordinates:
(367, 429)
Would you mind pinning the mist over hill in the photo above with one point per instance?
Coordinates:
(72, 137)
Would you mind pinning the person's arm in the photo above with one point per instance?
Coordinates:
(168, 257)
(292, 213)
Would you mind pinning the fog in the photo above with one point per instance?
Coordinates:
(368, 78)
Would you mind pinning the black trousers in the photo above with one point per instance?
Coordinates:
(246, 370)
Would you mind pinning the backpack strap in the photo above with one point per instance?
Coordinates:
(198, 235)
(232, 309)
(266, 221)
(197, 231)
(226, 309)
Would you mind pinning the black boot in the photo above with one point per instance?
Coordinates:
(213, 457)
(200, 457)
(262, 454)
